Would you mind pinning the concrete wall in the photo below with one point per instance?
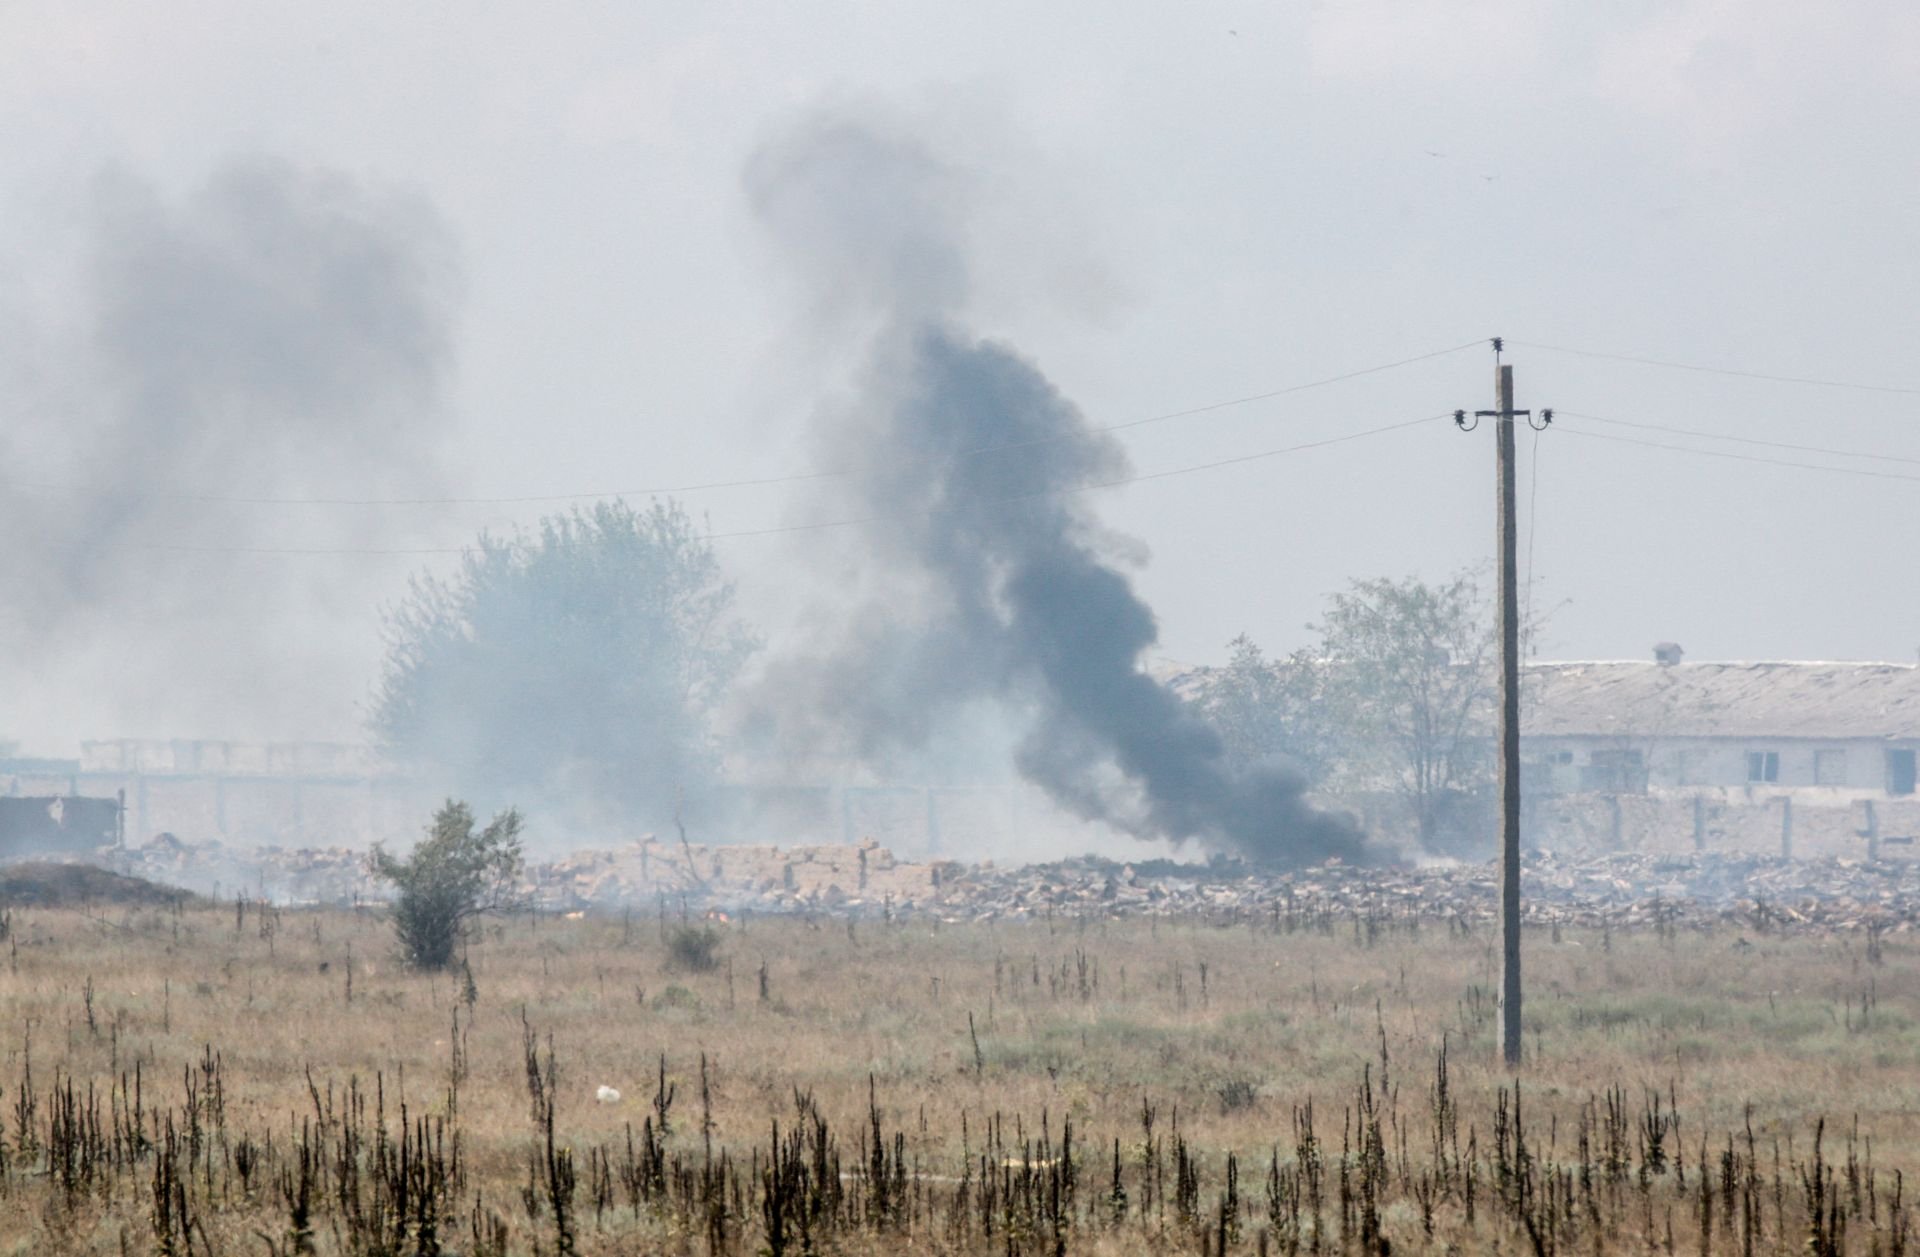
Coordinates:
(247, 810)
(255, 808)
(1563, 765)
(1797, 823)
(178, 756)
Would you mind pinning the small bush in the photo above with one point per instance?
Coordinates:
(1237, 1094)
(695, 948)
(676, 997)
(453, 875)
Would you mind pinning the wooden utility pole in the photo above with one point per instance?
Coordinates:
(1503, 416)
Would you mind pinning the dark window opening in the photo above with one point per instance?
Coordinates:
(1900, 772)
(1763, 766)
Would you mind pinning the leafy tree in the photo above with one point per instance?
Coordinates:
(453, 875)
(1267, 709)
(579, 661)
(1408, 690)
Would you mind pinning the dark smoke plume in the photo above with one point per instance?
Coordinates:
(277, 332)
(998, 586)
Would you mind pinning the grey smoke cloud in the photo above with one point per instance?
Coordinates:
(275, 332)
(871, 219)
(995, 583)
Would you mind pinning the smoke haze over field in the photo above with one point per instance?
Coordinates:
(1166, 207)
(995, 585)
(276, 333)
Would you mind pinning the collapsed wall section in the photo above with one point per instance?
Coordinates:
(1794, 824)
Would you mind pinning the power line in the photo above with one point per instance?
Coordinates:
(425, 551)
(222, 499)
(1103, 484)
(1727, 371)
(1744, 440)
(664, 490)
(1738, 457)
(1296, 388)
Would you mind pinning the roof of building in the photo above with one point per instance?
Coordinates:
(1722, 700)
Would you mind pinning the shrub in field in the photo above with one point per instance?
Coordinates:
(454, 874)
(695, 948)
(1237, 1094)
(677, 997)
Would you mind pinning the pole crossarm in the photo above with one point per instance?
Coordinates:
(1546, 418)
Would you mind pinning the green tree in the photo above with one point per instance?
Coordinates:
(1408, 687)
(578, 662)
(452, 875)
(1267, 709)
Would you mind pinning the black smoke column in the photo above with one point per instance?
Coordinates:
(999, 585)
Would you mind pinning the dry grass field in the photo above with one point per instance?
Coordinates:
(226, 1078)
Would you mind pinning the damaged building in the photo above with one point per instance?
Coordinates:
(59, 824)
(1789, 758)
(1803, 759)
(248, 793)
(1632, 726)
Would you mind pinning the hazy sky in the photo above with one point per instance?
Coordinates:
(1174, 205)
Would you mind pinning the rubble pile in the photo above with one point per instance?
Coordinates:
(768, 878)
(1620, 891)
(1610, 891)
(310, 875)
